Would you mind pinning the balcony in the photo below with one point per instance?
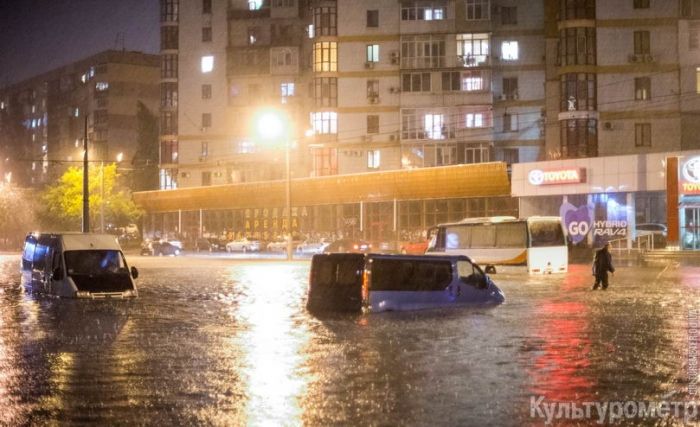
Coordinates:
(238, 14)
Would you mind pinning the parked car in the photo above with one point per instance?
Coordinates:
(658, 233)
(159, 248)
(348, 245)
(243, 245)
(280, 244)
(310, 247)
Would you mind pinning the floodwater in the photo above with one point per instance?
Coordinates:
(229, 342)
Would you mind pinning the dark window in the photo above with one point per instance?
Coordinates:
(509, 123)
(373, 124)
(168, 37)
(326, 92)
(509, 15)
(325, 21)
(168, 66)
(546, 233)
(642, 135)
(578, 92)
(451, 81)
(510, 87)
(641, 4)
(373, 18)
(168, 10)
(206, 120)
(168, 123)
(168, 152)
(577, 9)
(415, 82)
(206, 34)
(409, 275)
(206, 91)
(642, 88)
(577, 46)
(168, 95)
(641, 43)
(206, 6)
(579, 138)
(206, 178)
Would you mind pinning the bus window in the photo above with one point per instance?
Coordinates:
(483, 236)
(546, 233)
(458, 237)
(511, 235)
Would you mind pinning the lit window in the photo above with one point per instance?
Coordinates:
(310, 30)
(287, 90)
(255, 4)
(2, 105)
(76, 112)
(373, 53)
(101, 86)
(433, 125)
(207, 63)
(475, 120)
(697, 80)
(325, 56)
(509, 50)
(324, 122)
(373, 159)
(470, 83)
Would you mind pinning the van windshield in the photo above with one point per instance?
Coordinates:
(95, 262)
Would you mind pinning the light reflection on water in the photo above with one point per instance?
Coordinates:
(220, 342)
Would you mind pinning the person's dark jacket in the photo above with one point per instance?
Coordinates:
(602, 263)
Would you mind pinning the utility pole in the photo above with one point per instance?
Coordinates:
(86, 190)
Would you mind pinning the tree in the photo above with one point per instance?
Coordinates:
(62, 202)
(145, 161)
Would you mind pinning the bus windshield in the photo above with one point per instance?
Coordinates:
(546, 233)
(95, 262)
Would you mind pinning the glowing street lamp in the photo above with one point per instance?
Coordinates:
(272, 125)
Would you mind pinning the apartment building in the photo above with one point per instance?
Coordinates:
(386, 86)
(43, 119)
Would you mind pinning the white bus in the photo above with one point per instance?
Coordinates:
(538, 242)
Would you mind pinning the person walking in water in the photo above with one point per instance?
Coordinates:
(602, 263)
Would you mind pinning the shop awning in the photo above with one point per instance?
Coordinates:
(459, 181)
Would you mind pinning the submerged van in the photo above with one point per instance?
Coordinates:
(377, 282)
(76, 265)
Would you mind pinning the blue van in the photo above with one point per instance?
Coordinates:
(378, 282)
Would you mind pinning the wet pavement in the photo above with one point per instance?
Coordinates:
(216, 341)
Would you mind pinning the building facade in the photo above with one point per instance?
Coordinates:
(372, 87)
(43, 120)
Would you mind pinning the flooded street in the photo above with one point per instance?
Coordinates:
(215, 341)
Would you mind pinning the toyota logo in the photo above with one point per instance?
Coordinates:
(691, 170)
(536, 177)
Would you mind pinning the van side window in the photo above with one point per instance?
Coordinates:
(28, 254)
(40, 257)
(410, 275)
(469, 275)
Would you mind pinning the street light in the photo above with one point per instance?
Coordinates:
(271, 125)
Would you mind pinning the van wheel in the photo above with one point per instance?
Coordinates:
(490, 269)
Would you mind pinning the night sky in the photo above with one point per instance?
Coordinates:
(40, 35)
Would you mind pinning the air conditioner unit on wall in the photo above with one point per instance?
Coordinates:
(394, 58)
(373, 100)
(369, 65)
(607, 125)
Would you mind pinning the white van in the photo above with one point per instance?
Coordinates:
(76, 265)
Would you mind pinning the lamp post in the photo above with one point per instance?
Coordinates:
(270, 125)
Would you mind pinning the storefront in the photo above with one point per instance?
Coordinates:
(605, 198)
(390, 206)
(689, 202)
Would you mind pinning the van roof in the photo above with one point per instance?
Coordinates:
(74, 241)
